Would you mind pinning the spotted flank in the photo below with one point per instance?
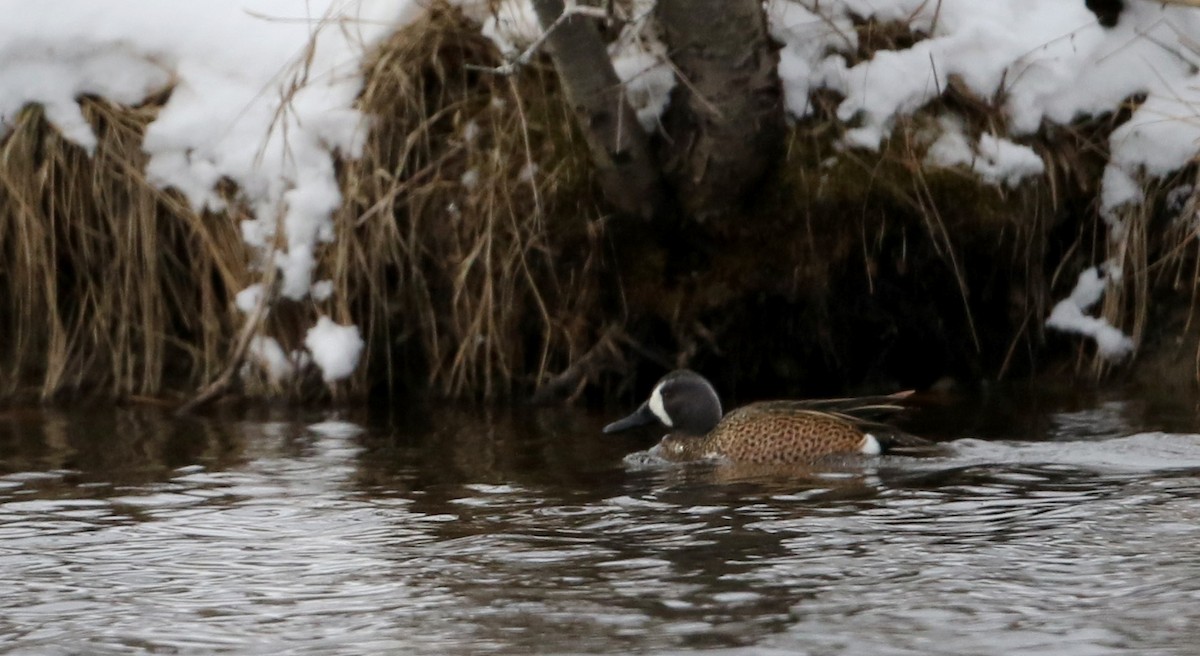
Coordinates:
(767, 433)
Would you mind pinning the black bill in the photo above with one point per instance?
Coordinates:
(640, 417)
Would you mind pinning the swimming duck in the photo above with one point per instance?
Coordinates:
(767, 432)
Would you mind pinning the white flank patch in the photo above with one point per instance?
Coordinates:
(871, 446)
(656, 406)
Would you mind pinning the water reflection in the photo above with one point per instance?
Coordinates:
(460, 530)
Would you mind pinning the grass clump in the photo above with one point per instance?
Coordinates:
(467, 245)
(107, 283)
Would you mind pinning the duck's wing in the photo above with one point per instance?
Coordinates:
(867, 413)
(855, 409)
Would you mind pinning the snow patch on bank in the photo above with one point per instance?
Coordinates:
(335, 348)
(271, 358)
(1068, 316)
(1047, 61)
(995, 160)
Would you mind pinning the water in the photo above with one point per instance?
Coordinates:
(1051, 524)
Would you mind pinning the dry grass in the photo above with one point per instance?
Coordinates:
(1157, 246)
(107, 283)
(443, 256)
(445, 249)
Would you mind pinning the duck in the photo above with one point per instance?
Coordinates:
(766, 432)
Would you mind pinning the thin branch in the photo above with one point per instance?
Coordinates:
(225, 380)
(251, 328)
(512, 66)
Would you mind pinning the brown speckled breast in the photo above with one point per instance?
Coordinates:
(760, 434)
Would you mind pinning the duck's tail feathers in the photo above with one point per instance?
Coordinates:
(849, 408)
(895, 441)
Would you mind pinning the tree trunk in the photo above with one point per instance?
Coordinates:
(619, 146)
(725, 124)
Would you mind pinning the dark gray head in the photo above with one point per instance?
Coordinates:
(683, 401)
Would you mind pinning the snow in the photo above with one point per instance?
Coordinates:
(648, 81)
(270, 357)
(512, 25)
(1048, 61)
(987, 47)
(471, 131)
(1002, 161)
(244, 103)
(638, 57)
(322, 290)
(1068, 316)
(1117, 188)
(335, 348)
(995, 160)
(1043, 62)
(248, 299)
(806, 38)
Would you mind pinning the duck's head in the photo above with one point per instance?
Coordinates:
(683, 401)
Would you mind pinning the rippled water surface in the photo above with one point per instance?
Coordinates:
(1050, 524)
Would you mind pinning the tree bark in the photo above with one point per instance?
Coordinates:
(725, 124)
(628, 174)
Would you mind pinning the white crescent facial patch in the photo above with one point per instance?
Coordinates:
(656, 406)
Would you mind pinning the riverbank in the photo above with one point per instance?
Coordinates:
(473, 254)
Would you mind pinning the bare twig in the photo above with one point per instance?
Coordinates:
(512, 66)
(249, 329)
(236, 358)
(575, 377)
